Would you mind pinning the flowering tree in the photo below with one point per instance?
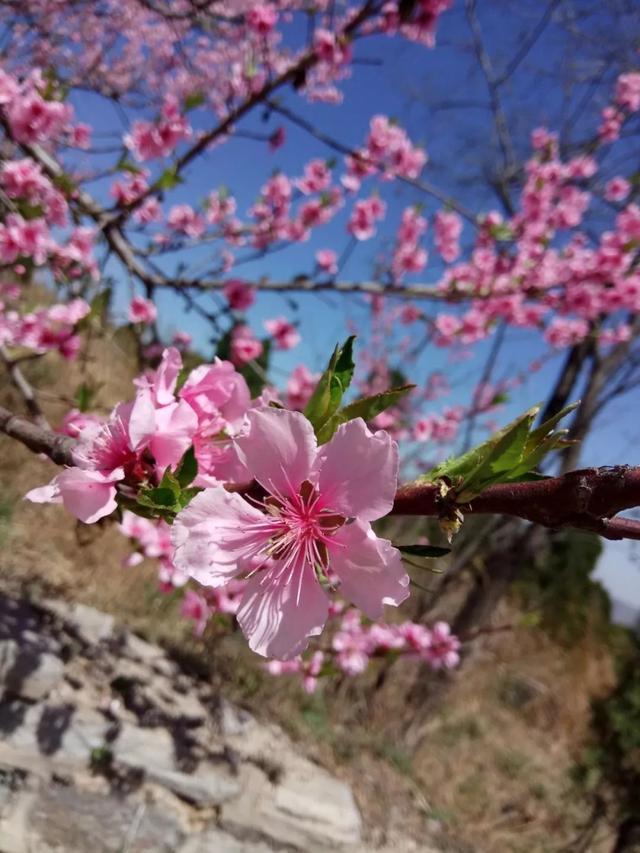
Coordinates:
(265, 497)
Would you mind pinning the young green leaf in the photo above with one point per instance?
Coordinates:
(187, 468)
(333, 383)
(367, 408)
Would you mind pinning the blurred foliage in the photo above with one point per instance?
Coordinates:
(558, 586)
(611, 762)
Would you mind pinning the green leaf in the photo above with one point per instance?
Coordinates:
(509, 456)
(538, 435)
(345, 364)
(187, 495)
(159, 497)
(187, 468)
(423, 550)
(195, 99)
(168, 179)
(125, 165)
(64, 183)
(84, 396)
(367, 408)
(333, 383)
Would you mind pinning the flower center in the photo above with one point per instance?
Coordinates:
(302, 528)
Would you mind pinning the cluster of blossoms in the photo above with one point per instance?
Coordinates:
(43, 329)
(387, 151)
(307, 535)
(626, 100)
(408, 255)
(355, 642)
(151, 140)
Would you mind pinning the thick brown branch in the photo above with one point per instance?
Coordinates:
(57, 447)
(584, 499)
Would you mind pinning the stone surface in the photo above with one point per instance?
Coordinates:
(307, 809)
(28, 672)
(91, 625)
(108, 746)
(215, 841)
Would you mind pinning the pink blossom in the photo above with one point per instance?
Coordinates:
(277, 139)
(627, 94)
(327, 261)
(363, 217)
(149, 141)
(617, 189)
(448, 228)
(262, 18)
(184, 219)
(565, 332)
(300, 387)
(89, 495)
(240, 295)
(218, 394)
(194, 606)
(283, 332)
(302, 523)
(142, 310)
(244, 345)
(442, 648)
(329, 49)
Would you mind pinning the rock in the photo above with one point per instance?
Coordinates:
(27, 672)
(60, 819)
(153, 751)
(90, 625)
(44, 738)
(214, 841)
(138, 649)
(308, 809)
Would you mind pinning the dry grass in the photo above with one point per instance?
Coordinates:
(489, 771)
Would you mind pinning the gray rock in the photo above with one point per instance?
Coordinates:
(27, 672)
(214, 841)
(307, 809)
(90, 625)
(46, 738)
(65, 820)
(153, 656)
(152, 750)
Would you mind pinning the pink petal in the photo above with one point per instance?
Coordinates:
(49, 494)
(278, 617)
(138, 418)
(167, 376)
(278, 449)
(176, 425)
(214, 532)
(88, 495)
(358, 471)
(369, 568)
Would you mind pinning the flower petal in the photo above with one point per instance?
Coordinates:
(369, 568)
(279, 616)
(49, 494)
(214, 532)
(166, 376)
(176, 425)
(358, 471)
(89, 495)
(278, 449)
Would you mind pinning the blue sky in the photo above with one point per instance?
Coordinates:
(420, 88)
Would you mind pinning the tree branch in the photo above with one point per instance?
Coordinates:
(57, 447)
(584, 499)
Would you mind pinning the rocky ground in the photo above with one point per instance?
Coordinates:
(108, 744)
